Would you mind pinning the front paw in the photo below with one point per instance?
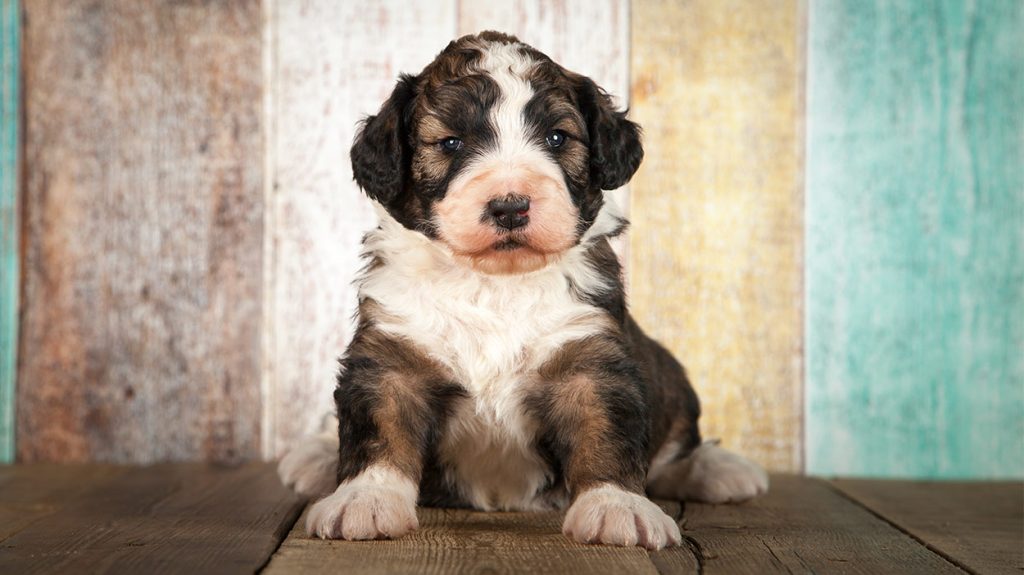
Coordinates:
(614, 516)
(377, 504)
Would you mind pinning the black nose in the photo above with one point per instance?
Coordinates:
(509, 213)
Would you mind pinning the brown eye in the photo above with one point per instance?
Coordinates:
(555, 138)
(451, 144)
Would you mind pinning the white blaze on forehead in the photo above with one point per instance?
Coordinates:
(508, 65)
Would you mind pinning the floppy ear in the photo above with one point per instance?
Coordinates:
(615, 149)
(381, 152)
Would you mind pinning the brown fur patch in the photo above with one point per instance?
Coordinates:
(591, 402)
(391, 398)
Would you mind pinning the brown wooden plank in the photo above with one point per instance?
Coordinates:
(979, 526)
(462, 541)
(143, 231)
(803, 525)
(183, 518)
(329, 64)
(31, 492)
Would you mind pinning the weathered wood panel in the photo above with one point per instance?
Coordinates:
(915, 223)
(803, 526)
(329, 65)
(716, 210)
(589, 37)
(29, 493)
(460, 541)
(979, 526)
(144, 206)
(183, 518)
(10, 44)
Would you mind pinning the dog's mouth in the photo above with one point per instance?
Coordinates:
(508, 245)
(508, 254)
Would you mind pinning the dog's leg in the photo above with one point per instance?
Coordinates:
(709, 474)
(311, 466)
(593, 410)
(379, 502)
(391, 399)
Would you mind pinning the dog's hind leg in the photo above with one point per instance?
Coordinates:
(709, 474)
(311, 466)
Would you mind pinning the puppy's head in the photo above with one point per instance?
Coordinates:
(497, 152)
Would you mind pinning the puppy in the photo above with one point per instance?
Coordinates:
(495, 365)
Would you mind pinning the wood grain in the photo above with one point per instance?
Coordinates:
(979, 526)
(461, 541)
(183, 518)
(716, 209)
(327, 70)
(29, 493)
(803, 525)
(143, 231)
(915, 272)
(10, 49)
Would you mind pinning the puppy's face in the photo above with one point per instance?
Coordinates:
(496, 152)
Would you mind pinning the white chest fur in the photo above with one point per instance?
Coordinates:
(493, 333)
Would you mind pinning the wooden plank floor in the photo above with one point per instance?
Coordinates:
(192, 518)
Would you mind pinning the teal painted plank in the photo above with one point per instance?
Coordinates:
(9, 44)
(914, 238)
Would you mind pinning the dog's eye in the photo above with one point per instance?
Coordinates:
(556, 138)
(451, 144)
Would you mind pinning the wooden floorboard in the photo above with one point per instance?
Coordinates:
(460, 541)
(194, 518)
(979, 526)
(29, 493)
(174, 518)
(803, 525)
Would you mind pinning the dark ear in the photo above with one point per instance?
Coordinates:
(381, 153)
(615, 149)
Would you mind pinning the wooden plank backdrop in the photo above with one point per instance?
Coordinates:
(915, 222)
(716, 243)
(9, 255)
(191, 229)
(144, 207)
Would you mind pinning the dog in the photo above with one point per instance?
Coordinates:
(494, 364)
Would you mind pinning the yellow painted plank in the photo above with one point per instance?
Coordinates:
(716, 210)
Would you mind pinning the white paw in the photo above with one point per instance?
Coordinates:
(311, 467)
(720, 476)
(379, 503)
(614, 516)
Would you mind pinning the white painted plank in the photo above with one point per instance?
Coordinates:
(329, 64)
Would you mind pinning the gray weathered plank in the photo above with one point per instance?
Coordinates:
(143, 231)
(979, 526)
(183, 518)
(462, 541)
(803, 525)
